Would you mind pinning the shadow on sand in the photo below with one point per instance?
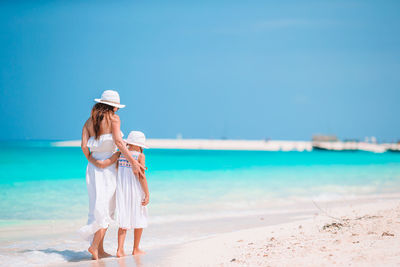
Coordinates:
(68, 255)
(85, 258)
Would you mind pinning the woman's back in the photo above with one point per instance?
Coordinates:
(104, 126)
(104, 143)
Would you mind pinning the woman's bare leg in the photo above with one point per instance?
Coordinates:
(121, 241)
(102, 253)
(136, 240)
(94, 248)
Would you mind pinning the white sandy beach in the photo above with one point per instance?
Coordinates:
(363, 232)
(357, 235)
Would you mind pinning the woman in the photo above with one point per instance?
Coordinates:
(101, 136)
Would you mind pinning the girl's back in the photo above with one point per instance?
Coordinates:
(131, 213)
(125, 165)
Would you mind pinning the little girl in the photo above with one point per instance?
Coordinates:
(132, 195)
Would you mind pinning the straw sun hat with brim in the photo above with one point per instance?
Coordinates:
(136, 138)
(111, 98)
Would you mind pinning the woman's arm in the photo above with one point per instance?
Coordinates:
(84, 140)
(84, 147)
(143, 182)
(137, 168)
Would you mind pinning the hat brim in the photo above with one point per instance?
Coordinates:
(108, 103)
(135, 144)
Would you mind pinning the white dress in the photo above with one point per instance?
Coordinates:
(101, 184)
(130, 212)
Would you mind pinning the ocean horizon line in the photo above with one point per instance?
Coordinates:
(231, 144)
(257, 145)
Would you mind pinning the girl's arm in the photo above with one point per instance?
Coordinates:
(143, 181)
(137, 168)
(107, 162)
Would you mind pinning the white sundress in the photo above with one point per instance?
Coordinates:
(101, 184)
(130, 213)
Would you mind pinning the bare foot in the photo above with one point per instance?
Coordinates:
(103, 254)
(137, 251)
(120, 253)
(94, 252)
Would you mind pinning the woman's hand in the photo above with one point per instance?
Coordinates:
(146, 200)
(137, 168)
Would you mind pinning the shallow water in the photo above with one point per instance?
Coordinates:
(40, 182)
(44, 185)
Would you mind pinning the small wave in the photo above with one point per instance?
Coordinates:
(43, 257)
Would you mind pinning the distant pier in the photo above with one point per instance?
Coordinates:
(331, 142)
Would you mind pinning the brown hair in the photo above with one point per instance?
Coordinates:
(99, 110)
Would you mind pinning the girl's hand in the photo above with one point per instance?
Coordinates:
(98, 163)
(146, 200)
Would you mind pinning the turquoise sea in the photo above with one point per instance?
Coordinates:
(193, 194)
(39, 182)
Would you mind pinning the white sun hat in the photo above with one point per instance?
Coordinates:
(137, 138)
(110, 97)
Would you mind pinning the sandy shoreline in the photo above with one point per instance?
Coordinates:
(360, 233)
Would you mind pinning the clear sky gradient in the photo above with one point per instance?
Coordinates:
(205, 69)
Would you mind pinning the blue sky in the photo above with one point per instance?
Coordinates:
(205, 69)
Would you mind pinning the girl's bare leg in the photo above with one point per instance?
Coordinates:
(137, 235)
(102, 253)
(121, 241)
(94, 248)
